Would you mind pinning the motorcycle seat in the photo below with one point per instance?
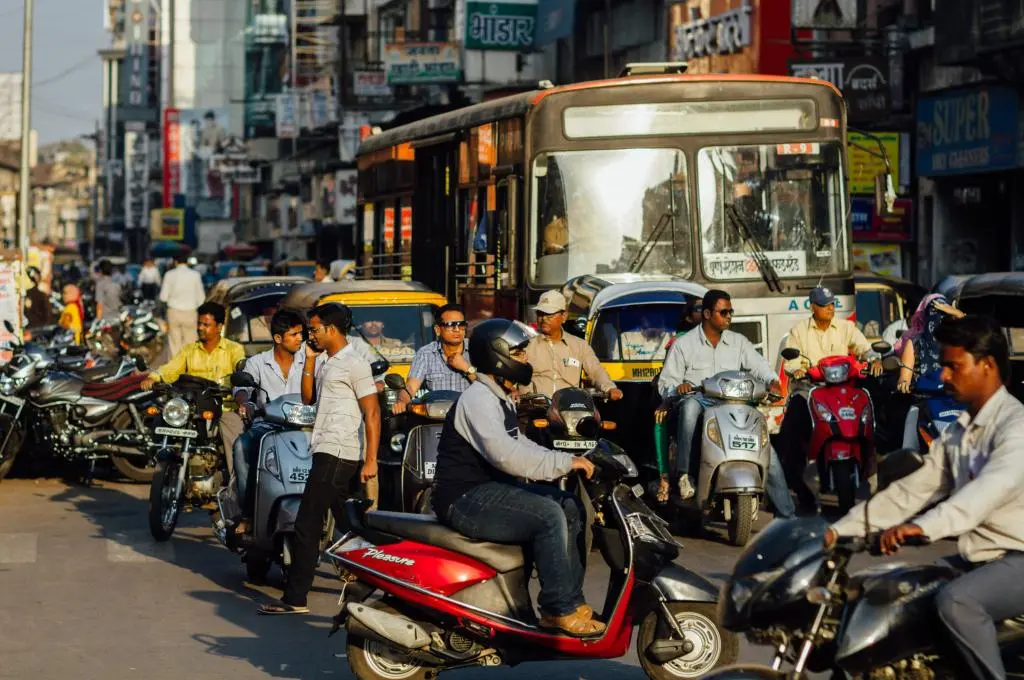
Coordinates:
(114, 391)
(96, 373)
(426, 529)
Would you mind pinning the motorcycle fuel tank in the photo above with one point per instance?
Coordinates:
(57, 387)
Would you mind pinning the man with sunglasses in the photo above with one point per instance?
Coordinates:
(703, 352)
(442, 364)
(559, 359)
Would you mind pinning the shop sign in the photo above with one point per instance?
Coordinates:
(167, 224)
(406, 233)
(861, 211)
(136, 183)
(506, 25)
(370, 84)
(863, 81)
(172, 155)
(865, 161)
(868, 225)
(389, 227)
(135, 65)
(725, 33)
(884, 259)
(422, 63)
(345, 184)
(967, 131)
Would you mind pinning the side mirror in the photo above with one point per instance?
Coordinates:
(379, 367)
(881, 347)
(891, 363)
(897, 465)
(394, 382)
(790, 353)
(885, 194)
(242, 379)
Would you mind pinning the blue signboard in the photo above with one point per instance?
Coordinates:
(860, 214)
(967, 131)
(555, 19)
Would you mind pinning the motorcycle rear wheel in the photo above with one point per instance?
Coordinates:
(714, 646)
(164, 505)
(373, 660)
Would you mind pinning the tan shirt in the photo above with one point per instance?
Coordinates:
(557, 365)
(842, 337)
(976, 469)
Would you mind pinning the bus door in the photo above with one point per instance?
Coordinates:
(433, 237)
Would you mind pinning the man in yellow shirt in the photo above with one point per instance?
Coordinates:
(212, 357)
(822, 335)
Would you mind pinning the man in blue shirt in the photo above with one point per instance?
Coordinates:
(277, 371)
(442, 364)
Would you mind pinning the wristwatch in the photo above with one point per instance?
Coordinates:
(471, 372)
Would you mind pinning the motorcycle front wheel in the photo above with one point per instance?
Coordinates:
(713, 646)
(14, 442)
(164, 503)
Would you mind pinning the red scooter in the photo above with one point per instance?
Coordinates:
(451, 602)
(843, 424)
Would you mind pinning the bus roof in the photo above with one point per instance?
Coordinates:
(518, 104)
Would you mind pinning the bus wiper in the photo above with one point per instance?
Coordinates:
(667, 219)
(764, 265)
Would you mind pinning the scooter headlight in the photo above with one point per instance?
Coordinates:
(823, 412)
(176, 412)
(714, 434)
(300, 414)
(572, 419)
(737, 389)
(836, 374)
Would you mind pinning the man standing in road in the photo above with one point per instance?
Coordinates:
(444, 363)
(182, 292)
(108, 292)
(344, 443)
(149, 280)
(559, 359)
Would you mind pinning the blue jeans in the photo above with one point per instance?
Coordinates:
(544, 519)
(246, 451)
(688, 419)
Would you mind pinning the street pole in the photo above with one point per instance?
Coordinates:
(25, 198)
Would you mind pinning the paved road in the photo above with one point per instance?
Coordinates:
(86, 593)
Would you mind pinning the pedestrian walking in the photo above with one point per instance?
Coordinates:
(149, 280)
(182, 292)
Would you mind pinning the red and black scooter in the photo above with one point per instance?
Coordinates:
(450, 602)
(843, 423)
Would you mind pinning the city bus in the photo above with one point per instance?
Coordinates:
(735, 182)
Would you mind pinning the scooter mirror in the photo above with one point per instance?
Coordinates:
(891, 363)
(881, 347)
(394, 381)
(379, 367)
(8, 325)
(790, 353)
(242, 379)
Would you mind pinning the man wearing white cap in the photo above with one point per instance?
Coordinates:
(559, 359)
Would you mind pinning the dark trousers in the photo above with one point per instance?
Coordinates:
(150, 291)
(794, 438)
(970, 606)
(547, 520)
(331, 482)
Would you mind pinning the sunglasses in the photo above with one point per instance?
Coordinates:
(726, 312)
(453, 324)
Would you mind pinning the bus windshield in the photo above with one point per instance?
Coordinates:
(609, 212)
(789, 205)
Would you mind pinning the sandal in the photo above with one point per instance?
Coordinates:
(281, 608)
(573, 625)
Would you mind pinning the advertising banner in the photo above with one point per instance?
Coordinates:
(967, 131)
(422, 63)
(136, 176)
(10, 300)
(167, 224)
(172, 156)
(287, 119)
(266, 63)
(881, 258)
(824, 13)
(370, 84)
(389, 228)
(868, 225)
(505, 25)
(233, 163)
(134, 100)
(865, 162)
(406, 233)
(201, 134)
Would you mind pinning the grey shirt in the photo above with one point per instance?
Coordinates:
(976, 468)
(108, 294)
(692, 358)
(480, 420)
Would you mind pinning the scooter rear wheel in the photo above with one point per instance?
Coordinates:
(373, 660)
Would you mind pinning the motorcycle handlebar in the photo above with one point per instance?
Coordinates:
(872, 543)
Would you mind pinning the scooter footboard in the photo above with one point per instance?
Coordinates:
(738, 476)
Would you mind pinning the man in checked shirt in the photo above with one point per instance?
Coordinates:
(442, 364)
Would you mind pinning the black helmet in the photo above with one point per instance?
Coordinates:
(491, 346)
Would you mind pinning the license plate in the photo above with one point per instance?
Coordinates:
(176, 432)
(743, 442)
(575, 444)
(299, 474)
(429, 468)
(17, 401)
(847, 413)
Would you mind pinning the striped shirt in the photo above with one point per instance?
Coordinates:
(430, 366)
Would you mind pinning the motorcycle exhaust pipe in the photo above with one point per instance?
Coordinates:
(391, 629)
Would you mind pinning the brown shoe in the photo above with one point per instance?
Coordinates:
(585, 610)
(573, 625)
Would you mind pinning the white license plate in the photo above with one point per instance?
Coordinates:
(847, 413)
(299, 474)
(743, 442)
(429, 468)
(574, 444)
(176, 432)
(17, 401)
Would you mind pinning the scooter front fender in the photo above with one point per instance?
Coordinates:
(676, 584)
(738, 475)
(287, 513)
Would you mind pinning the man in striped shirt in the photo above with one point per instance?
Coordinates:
(444, 363)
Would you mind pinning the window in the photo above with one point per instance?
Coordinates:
(637, 333)
(876, 309)
(394, 332)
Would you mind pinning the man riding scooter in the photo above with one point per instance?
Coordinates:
(820, 336)
(480, 457)
(277, 371)
(703, 352)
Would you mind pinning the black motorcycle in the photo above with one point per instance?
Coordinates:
(191, 464)
(788, 592)
(568, 421)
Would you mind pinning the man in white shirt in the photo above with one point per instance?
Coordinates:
(975, 472)
(182, 292)
(344, 443)
(149, 280)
